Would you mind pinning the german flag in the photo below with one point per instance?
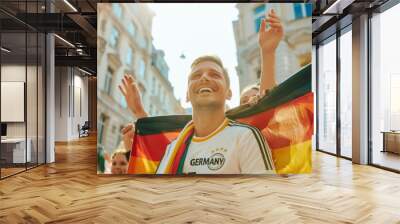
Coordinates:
(284, 116)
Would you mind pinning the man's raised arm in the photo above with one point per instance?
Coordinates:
(269, 39)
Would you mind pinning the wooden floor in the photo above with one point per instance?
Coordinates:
(387, 159)
(69, 191)
(10, 171)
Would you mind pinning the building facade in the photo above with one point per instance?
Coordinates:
(293, 51)
(125, 47)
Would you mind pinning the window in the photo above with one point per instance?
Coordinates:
(260, 9)
(301, 10)
(162, 96)
(151, 110)
(108, 81)
(114, 37)
(117, 10)
(122, 100)
(101, 128)
(153, 87)
(308, 9)
(128, 56)
(132, 28)
(259, 14)
(119, 136)
(103, 25)
(394, 101)
(327, 96)
(385, 88)
(298, 10)
(346, 94)
(142, 41)
(142, 68)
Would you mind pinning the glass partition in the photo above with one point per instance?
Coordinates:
(327, 96)
(346, 93)
(22, 78)
(385, 89)
(14, 153)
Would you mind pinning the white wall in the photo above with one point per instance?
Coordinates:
(69, 85)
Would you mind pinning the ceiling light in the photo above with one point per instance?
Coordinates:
(5, 50)
(332, 8)
(65, 41)
(70, 5)
(84, 71)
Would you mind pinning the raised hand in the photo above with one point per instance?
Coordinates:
(269, 38)
(127, 135)
(130, 91)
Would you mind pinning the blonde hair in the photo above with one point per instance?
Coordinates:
(214, 59)
(121, 151)
(250, 87)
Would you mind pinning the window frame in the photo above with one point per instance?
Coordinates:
(334, 37)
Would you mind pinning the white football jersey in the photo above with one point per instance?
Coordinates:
(233, 148)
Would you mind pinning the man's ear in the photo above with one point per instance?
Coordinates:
(187, 96)
(229, 94)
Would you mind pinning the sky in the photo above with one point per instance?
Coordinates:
(195, 29)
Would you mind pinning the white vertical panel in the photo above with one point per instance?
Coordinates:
(12, 101)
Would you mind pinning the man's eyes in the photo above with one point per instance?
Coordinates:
(213, 74)
(196, 76)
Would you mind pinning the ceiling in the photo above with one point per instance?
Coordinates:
(332, 15)
(76, 20)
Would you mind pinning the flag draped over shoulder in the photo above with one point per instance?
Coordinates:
(285, 117)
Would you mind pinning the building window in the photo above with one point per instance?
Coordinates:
(151, 110)
(103, 25)
(298, 10)
(308, 9)
(114, 37)
(153, 87)
(162, 96)
(108, 81)
(142, 68)
(122, 101)
(259, 14)
(142, 41)
(119, 136)
(260, 9)
(101, 127)
(116, 7)
(128, 56)
(131, 28)
(301, 10)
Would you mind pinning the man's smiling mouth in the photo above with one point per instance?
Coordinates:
(205, 90)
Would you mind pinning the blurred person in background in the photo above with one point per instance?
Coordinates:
(119, 161)
(268, 40)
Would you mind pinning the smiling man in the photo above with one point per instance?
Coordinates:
(213, 144)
